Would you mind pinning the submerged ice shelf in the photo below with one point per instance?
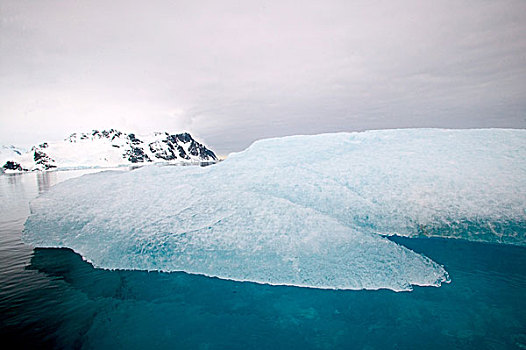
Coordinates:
(301, 210)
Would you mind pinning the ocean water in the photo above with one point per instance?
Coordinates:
(51, 298)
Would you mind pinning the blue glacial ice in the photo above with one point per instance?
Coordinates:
(301, 210)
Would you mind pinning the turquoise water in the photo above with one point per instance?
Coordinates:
(51, 298)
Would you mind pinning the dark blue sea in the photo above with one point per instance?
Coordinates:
(51, 298)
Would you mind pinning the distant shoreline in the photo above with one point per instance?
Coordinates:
(114, 167)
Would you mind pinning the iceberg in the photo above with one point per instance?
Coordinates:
(310, 211)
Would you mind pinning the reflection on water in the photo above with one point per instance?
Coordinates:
(52, 298)
(45, 179)
(12, 179)
(482, 308)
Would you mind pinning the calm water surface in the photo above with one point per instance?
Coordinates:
(51, 298)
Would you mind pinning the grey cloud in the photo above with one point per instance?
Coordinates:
(235, 71)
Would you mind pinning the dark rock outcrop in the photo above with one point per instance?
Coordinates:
(10, 165)
(137, 155)
(42, 159)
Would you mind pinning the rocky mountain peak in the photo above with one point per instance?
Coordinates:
(111, 148)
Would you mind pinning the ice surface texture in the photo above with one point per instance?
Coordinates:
(301, 210)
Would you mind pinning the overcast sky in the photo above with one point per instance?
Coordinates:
(231, 72)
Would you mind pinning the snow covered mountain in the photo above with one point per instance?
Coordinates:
(106, 148)
(8, 153)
